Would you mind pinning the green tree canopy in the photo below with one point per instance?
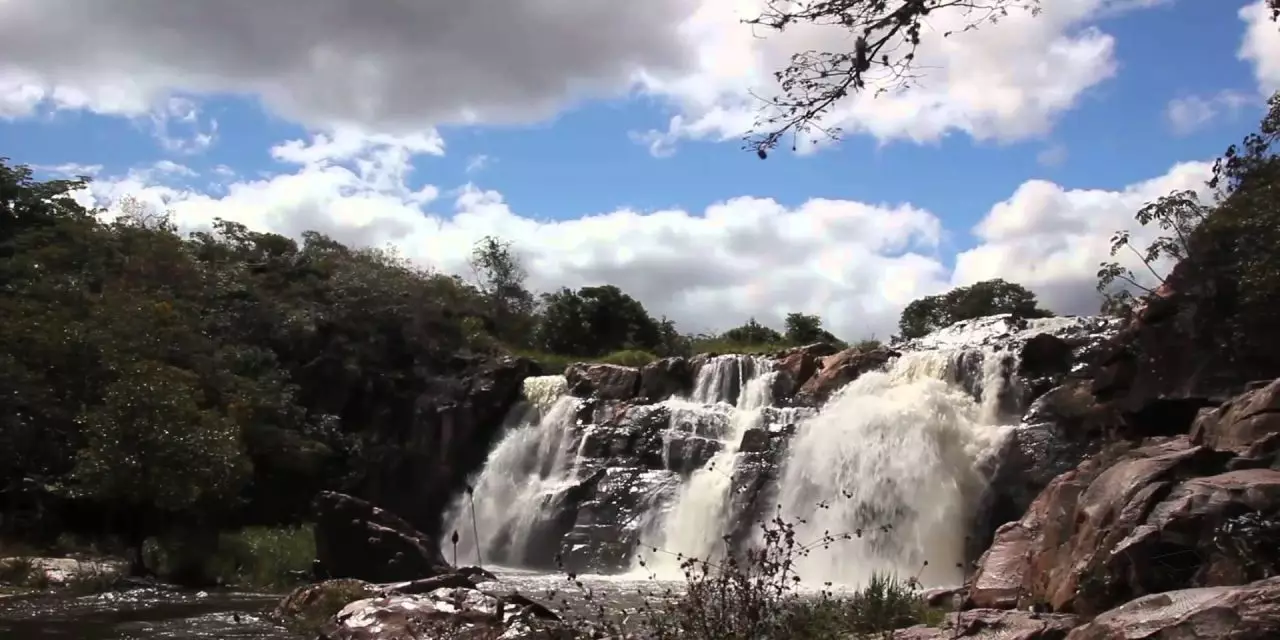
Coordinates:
(985, 298)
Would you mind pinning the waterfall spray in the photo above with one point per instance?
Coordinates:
(475, 528)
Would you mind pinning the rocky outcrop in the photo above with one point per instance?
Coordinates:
(665, 378)
(603, 381)
(465, 613)
(837, 370)
(1248, 425)
(418, 458)
(1132, 521)
(991, 623)
(355, 539)
(1246, 612)
(800, 363)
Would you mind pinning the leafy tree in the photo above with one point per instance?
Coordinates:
(752, 333)
(502, 282)
(985, 298)
(593, 321)
(803, 328)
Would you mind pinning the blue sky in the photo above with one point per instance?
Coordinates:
(1136, 87)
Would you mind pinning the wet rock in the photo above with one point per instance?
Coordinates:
(1249, 424)
(603, 381)
(1245, 612)
(459, 613)
(665, 378)
(840, 369)
(991, 623)
(800, 363)
(1130, 522)
(308, 607)
(355, 539)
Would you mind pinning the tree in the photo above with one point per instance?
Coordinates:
(593, 321)
(501, 280)
(985, 298)
(155, 445)
(752, 333)
(806, 329)
(884, 37)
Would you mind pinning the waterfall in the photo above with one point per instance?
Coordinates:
(701, 514)
(902, 449)
(521, 481)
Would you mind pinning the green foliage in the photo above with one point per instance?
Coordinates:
(593, 321)
(1224, 249)
(803, 328)
(501, 279)
(752, 333)
(150, 444)
(985, 298)
(629, 358)
(263, 558)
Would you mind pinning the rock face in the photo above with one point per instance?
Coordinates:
(991, 623)
(459, 612)
(355, 539)
(603, 381)
(1132, 521)
(665, 378)
(1246, 612)
(420, 460)
(837, 370)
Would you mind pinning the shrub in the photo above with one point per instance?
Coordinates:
(629, 358)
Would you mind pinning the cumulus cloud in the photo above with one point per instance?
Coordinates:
(1189, 114)
(407, 67)
(1001, 82)
(856, 264)
(1052, 239)
(392, 66)
(1261, 46)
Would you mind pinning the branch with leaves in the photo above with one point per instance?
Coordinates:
(885, 38)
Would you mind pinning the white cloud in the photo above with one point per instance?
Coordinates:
(407, 67)
(1052, 239)
(1001, 82)
(1261, 46)
(1189, 114)
(1053, 155)
(478, 162)
(857, 264)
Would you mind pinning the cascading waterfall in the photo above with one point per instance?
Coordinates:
(901, 448)
(528, 469)
(700, 513)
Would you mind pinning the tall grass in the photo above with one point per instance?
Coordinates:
(270, 559)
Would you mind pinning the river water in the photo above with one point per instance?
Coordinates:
(157, 613)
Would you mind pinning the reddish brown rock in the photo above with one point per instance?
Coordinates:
(665, 378)
(1247, 612)
(603, 381)
(1249, 424)
(802, 362)
(837, 370)
(991, 624)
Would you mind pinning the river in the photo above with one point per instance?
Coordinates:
(158, 613)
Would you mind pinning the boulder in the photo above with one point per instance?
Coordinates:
(462, 613)
(307, 608)
(603, 381)
(1130, 522)
(1244, 612)
(355, 539)
(992, 623)
(665, 378)
(800, 363)
(837, 370)
(1249, 424)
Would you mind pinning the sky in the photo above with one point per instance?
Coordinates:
(604, 138)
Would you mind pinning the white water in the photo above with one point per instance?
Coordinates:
(903, 448)
(528, 468)
(700, 515)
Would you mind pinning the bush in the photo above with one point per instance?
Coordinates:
(629, 358)
(256, 558)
